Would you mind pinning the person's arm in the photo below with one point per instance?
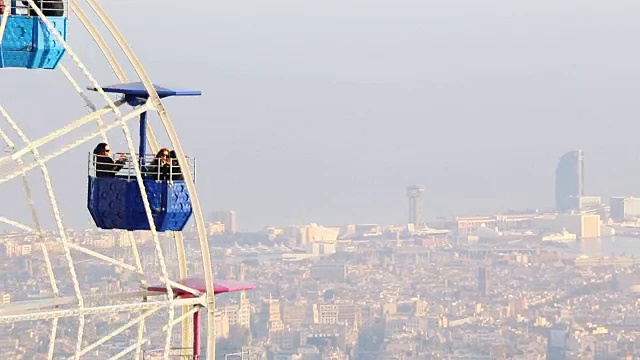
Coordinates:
(118, 164)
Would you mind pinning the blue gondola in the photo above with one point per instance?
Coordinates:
(115, 202)
(27, 42)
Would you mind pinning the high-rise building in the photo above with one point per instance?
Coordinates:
(414, 193)
(228, 218)
(570, 181)
(585, 226)
(557, 342)
(624, 208)
(483, 282)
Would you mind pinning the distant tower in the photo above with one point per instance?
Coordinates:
(557, 342)
(414, 193)
(483, 282)
(569, 180)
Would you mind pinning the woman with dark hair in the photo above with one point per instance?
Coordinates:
(176, 171)
(160, 166)
(105, 166)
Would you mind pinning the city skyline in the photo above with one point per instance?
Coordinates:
(569, 194)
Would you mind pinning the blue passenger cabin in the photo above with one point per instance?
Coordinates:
(115, 202)
(28, 43)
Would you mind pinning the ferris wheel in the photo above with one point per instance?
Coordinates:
(130, 291)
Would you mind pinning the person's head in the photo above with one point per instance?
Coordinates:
(172, 154)
(102, 149)
(163, 154)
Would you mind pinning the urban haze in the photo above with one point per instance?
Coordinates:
(401, 180)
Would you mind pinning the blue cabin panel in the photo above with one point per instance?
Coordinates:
(116, 203)
(18, 34)
(178, 206)
(107, 202)
(28, 43)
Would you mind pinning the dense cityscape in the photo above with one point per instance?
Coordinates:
(374, 180)
(519, 285)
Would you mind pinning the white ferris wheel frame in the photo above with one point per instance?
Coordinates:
(38, 310)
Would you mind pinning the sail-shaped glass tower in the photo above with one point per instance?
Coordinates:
(570, 180)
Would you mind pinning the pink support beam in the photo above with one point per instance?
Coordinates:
(196, 335)
(197, 283)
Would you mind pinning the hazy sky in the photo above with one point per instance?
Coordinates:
(325, 111)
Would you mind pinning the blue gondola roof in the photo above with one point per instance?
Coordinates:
(137, 89)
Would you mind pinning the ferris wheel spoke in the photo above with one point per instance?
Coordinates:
(119, 330)
(154, 233)
(43, 246)
(34, 315)
(202, 236)
(74, 56)
(137, 269)
(136, 257)
(153, 142)
(182, 268)
(18, 225)
(62, 131)
(73, 144)
(88, 103)
(100, 41)
(20, 307)
(32, 208)
(118, 263)
(52, 338)
(49, 267)
(80, 335)
(140, 339)
(30, 202)
(106, 258)
(56, 214)
(166, 328)
(182, 287)
(58, 219)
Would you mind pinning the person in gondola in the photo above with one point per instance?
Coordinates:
(105, 165)
(48, 7)
(160, 167)
(176, 171)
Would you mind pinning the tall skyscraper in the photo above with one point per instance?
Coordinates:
(570, 181)
(414, 193)
(557, 342)
(228, 218)
(483, 282)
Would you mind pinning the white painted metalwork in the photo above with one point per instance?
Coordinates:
(128, 169)
(31, 154)
(3, 23)
(77, 311)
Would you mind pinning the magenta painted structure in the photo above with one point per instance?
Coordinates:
(198, 283)
(196, 335)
